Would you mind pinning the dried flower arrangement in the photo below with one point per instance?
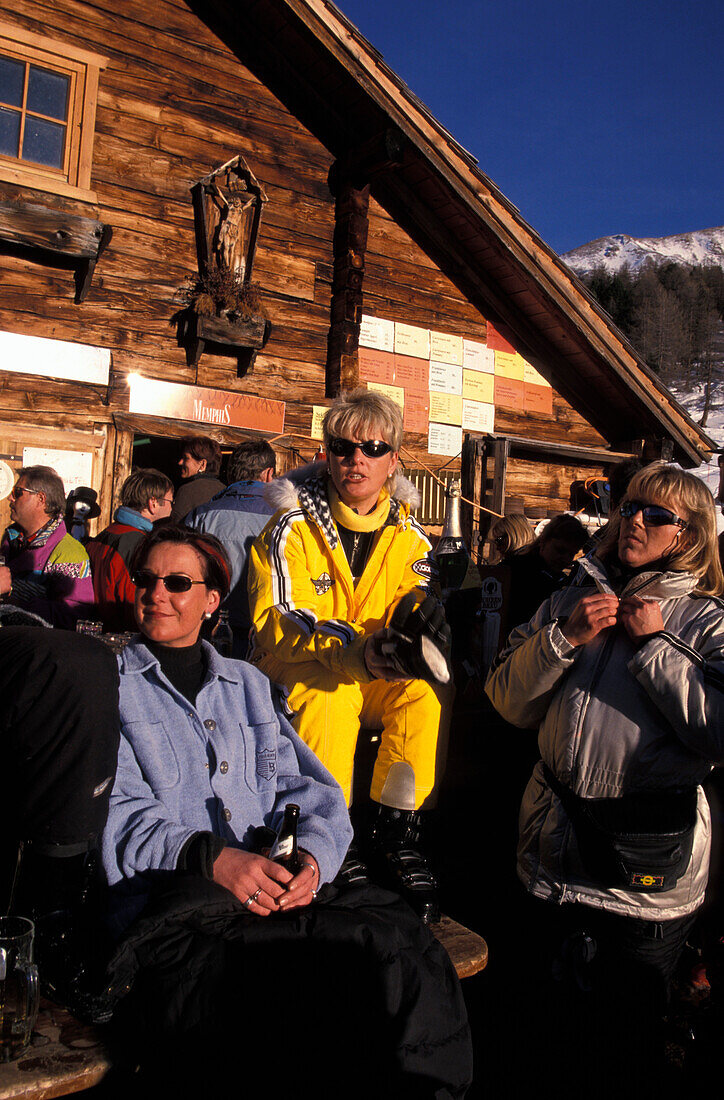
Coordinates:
(220, 292)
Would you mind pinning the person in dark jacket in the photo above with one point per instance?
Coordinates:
(538, 570)
(199, 463)
(59, 732)
(236, 516)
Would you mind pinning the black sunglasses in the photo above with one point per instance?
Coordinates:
(173, 582)
(371, 448)
(653, 515)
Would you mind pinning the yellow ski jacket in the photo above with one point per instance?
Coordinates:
(304, 603)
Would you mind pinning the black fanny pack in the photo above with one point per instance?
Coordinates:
(640, 841)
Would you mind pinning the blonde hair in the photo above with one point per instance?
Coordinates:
(698, 552)
(364, 414)
(515, 529)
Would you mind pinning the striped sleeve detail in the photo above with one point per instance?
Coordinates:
(712, 674)
(301, 617)
(420, 531)
(338, 629)
(280, 576)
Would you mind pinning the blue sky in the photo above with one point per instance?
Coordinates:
(592, 116)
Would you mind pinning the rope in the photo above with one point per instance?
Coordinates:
(418, 461)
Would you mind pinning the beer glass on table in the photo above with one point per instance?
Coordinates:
(18, 986)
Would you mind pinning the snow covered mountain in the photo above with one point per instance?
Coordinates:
(704, 246)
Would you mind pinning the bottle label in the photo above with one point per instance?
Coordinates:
(282, 848)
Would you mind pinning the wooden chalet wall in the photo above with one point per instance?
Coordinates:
(174, 103)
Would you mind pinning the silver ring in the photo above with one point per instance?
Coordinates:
(252, 898)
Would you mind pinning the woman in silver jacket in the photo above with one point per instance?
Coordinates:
(623, 676)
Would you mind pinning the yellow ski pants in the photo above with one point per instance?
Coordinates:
(413, 715)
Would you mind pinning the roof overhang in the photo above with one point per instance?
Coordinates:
(317, 61)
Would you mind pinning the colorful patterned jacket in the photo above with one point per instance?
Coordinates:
(51, 573)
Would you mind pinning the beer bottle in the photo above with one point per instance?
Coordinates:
(222, 636)
(451, 553)
(284, 849)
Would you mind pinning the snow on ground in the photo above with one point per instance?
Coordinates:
(694, 404)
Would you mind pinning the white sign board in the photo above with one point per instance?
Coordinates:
(478, 356)
(54, 358)
(478, 416)
(446, 378)
(376, 332)
(444, 439)
(74, 468)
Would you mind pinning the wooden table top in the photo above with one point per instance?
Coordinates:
(63, 1056)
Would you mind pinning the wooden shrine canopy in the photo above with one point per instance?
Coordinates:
(312, 56)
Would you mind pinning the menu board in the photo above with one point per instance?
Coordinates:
(478, 356)
(412, 374)
(410, 340)
(376, 366)
(478, 416)
(318, 412)
(496, 339)
(74, 468)
(538, 399)
(509, 366)
(416, 414)
(478, 386)
(443, 380)
(446, 348)
(531, 375)
(447, 408)
(509, 392)
(442, 439)
(396, 393)
(376, 332)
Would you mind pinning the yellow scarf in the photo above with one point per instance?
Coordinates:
(350, 519)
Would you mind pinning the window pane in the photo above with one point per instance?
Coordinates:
(47, 93)
(9, 132)
(12, 75)
(43, 142)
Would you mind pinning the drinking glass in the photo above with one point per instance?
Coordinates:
(18, 986)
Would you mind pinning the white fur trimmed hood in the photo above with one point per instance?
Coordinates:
(283, 492)
(306, 488)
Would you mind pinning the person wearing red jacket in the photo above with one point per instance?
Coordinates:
(146, 496)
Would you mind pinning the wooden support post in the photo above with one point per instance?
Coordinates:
(500, 449)
(350, 245)
(472, 466)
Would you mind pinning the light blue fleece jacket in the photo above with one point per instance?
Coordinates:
(226, 765)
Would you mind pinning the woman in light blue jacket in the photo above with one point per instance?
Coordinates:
(207, 756)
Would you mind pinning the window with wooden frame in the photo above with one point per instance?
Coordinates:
(48, 96)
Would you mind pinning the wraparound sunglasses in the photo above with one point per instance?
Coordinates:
(653, 515)
(172, 582)
(371, 448)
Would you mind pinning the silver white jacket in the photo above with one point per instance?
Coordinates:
(614, 719)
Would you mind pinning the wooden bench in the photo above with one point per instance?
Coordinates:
(65, 1056)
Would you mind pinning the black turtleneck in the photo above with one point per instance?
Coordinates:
(185, 666)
